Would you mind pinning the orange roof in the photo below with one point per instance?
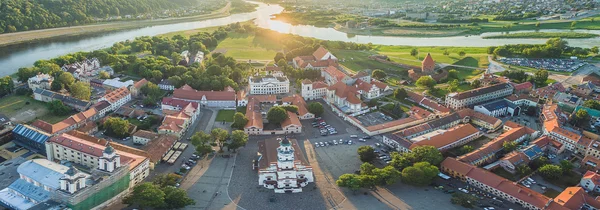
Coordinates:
(495, 145)
(299, 102)
(575, 198)
(362, 85)
(292, 119)
(335, 73)
(479, 116)
(172, 123)
(389, 124)
(158, 147)
(458, 167)
(413, 130)
(253, 113)
(428, 60)
(592, 160)
(59, 126)
(346, 91)
(512, 124)
(593, 176)
(379, 84)
(320, 53)
(187, 92)
(116, 95)
(319, 84)
(450, 136)
(419, 113)
(566, 133)
(516, 157)
(545, 140)
(306, 81)
(140, 84)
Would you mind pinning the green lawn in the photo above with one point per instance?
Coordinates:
(355, 61)
(248, 47)
(23, 107)
(401, 54)
(551, 193)
(225, 116)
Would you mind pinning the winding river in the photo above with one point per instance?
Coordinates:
(14, 57)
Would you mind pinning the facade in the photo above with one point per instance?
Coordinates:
(177, 122)
(282, 166)
(427, 103)
(477, 96)
(30, 137)
(166, 85)
(43, 81)
(218, 99)
(447, 139)
(143, 137)
(48, 96)
(590, 181)
(117, 98)
(135, 89)
(267, 85)
(345, 97)
(320, 59)
(333, 75)
(92, 152)
(499, 108)
(313, 90)
(428, 65)
(102, 108)
(71, 123)
(298, 101)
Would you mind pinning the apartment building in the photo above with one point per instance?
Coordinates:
(476, 96)
(269, 84)
(117, 98)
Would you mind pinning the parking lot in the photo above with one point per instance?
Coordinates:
(374, 118)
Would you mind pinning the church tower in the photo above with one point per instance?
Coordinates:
(428, 64)
(72, 181)
(110, 160)
(285, 155)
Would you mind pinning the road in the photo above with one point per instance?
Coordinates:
(494, 66)
(575, 78)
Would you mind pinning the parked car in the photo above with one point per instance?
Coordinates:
(335, 142)
(350, 142)
(378, 144)
(363, 140)
(353, 136)
(463, 190)
(366, 137)
(316, 144)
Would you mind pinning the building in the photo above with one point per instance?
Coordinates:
(333, 75)
(165, 84)
(49, 96)
(117, 98)
(522, 88)
(30, 138)
(298, 101)
(173, 104)
(590, 181)
(158, 148)
(177, 122)
(199, 57)
(320, 59)
(549, 145)
(185, 58)
(115, 83)
(489, 123)
(143, 137)
(136, 88)
(92, 152)
(575, 198)
(43, 81)
(370, 89)
(477, 96)
(523, 100)
(269, 84)
(487, 152)
(499, 108)
(256, 112)
(428, 65)
(220, 99)
(71, 123)
(102, 107)
(282, 166)
(548, 92)
(512, 160)
(313, 90)
(447, 139)
(344, 97)
(427, 103)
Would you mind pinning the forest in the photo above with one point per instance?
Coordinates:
(20, 15)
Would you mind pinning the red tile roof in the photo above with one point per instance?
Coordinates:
(346, 91)
(575, 198)
(177, 102)
(495, 145)
(335, 73)
(522, 86)
(188, 93)
(141, 83)
(428, 60)
(320, 53)
(292, 119)
(299, 102)
(116, 95)
(450, 136)
(253, 113)
(158, 147)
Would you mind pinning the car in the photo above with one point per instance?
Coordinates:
(526, 185)
(335, 142)
(378, 144)
(350, 142)
(382, 157)
(179, 173)
(463, 190)
(323, 123)
(375, 151)
(192, 161)
(384, 150)
(531, 180)
(327, 126)
(363, 140)
(195, 157)
(316, 144)
(353, 136)
(315, 125)
(366, 137)
(326, 143)
(488, 208)
(323, 134)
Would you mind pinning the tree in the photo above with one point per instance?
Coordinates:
(428, 154)
(594, 50)
(537, 25)
(57, 107)
(81, 91)
(25, 73)
(152, 90)
(387, 175)
(116, 126)
(592, 104)
(366, 153)
(176, 198)
(400, 94)
(420, 174)
(164, 180)
(200, 138)
(366, 168)
(426, 81)
(56, 86)
(214, 70)
(446, 53)
(239, 121)
(464, 200)
(465, 149)
(66, 79)
(566, 166)
(523, 170)
(378, 74)
(540, 77)
(399, 162)
(581, 116)
(452, 74)
(290, 108)
(573, 24)
(279, 56)
(509, 146)
(316, 108)
(7, 85)
(219, 136)
(175, 58)
(104, 75)
(453, 86)
(414, 52)
(276, 115)
(557, 43)
(462, 53)
(539, 162)
(368, 181)
(238, 139)
(146, 195)
(282, 63)
(351, 181)
(550, 171)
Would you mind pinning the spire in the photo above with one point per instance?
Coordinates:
(109, 150)
(285, 142)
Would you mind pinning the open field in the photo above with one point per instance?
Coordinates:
(401, 54)
(25, 109)
(36, 35)
(248, 46)
(540, 35)
(359, 60)
(225, 116)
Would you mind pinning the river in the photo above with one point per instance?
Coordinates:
(14, 57)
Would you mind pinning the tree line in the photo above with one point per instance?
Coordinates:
(554, 48)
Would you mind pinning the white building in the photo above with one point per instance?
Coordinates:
(166, 85)
(116, 83)
(313, 90)
(590, 181)
(345, 97)
(267, 85)
(499, 108)
(477, 96)
(117, 98)
(282, 166)
(143, 137)
(43, 81)
(220, 99)
(199, 57)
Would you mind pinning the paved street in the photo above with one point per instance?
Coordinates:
(8, 171)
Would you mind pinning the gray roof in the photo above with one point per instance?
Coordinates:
(101, 105)
(67, 100)
(444, 120)
(482, 91)
(31, 134)
(499, 104)
(30, 190)
(47, 174)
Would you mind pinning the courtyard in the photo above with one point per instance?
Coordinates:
(374, 118)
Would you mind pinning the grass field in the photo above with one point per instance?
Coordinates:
(401, 54)
(17, 107)
(247, 46)
(359, 60)
(225, 116)
(544, 35)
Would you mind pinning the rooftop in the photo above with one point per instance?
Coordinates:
(480, 91)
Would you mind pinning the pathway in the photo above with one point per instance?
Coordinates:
(495, 66)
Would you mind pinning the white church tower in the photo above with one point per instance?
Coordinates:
(110, 160)
(72, 181)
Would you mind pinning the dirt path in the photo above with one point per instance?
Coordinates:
(27, 36)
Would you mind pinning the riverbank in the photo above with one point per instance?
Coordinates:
(38, 35)
(539, 35)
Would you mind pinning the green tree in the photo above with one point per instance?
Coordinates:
(238, 139)
(23, 74)
(378, 74)
(539, 162)
(290, 108)
(81, 91)
(175, 58)
(594, 50)
(414, 52)
(368, 181)
(420, 174)
(200, 138)
(56, 86)
(276, 115)
(573, 24)
(465, 149)
(523, 170)
(581, 116)
(462, 53)
(551, 172)
(66, 79)
(537, 25)
(116, 126)
(239, 121)
(219, 136)
(509, 146)
(104, 75)
(58, 108)
(279, 56)
(165, 180)
(566, 166)
(366, 168)
(446, 53)
(464, 200)
(387, 175)
(366, 153)
(282, 63)
(453, 74)
(350, 181)
(453, 86)
(176, 198)
(426, 81)
(540, 77)
(475, 84)
(592, 104)
(400, 94)
(316, 108)
(399, 161)
(146, 195)
(152, 90)
(428, 154)
(7, 85)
